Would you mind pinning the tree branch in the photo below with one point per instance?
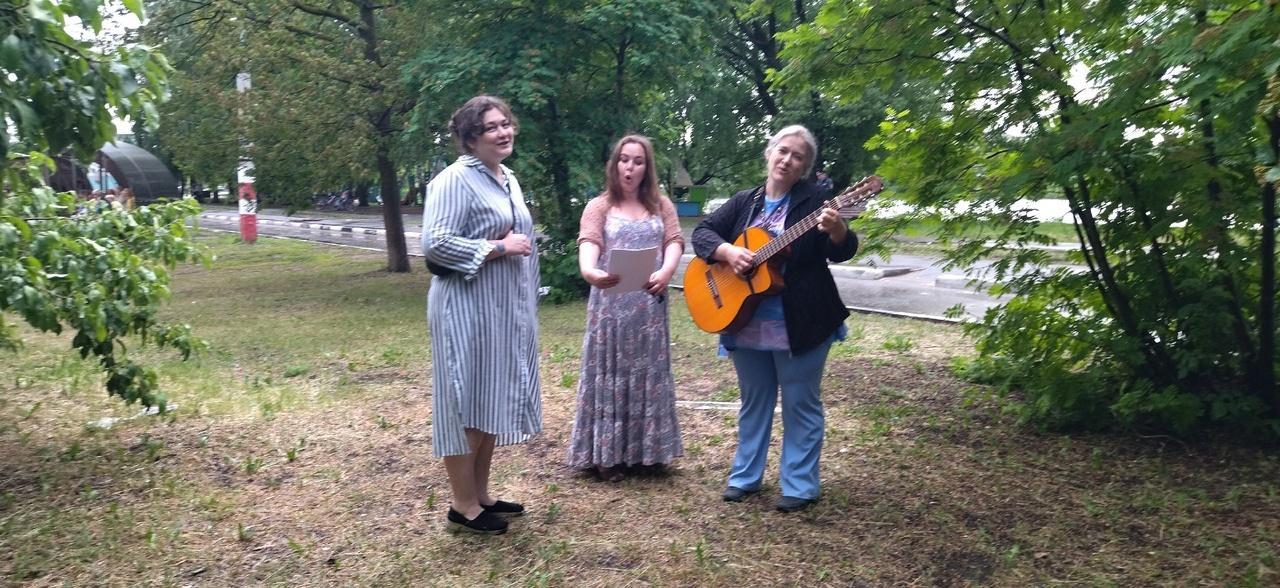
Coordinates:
(335, 16)
(1220, 234)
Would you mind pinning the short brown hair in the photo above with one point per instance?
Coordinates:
(467, 122)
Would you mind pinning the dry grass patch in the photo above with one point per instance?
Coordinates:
(299, 455)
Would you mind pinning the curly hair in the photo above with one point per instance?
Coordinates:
(467, 122)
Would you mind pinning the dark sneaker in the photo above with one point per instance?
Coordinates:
(487, 523)
(793, 504)
(503, 508)
(735, 494)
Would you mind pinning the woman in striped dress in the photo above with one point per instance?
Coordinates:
(482, 312)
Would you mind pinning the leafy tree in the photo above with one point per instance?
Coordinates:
(579, 74)
(750, 45)
(199, 131)
(1156, 121)
(326, 103)
(100, 274)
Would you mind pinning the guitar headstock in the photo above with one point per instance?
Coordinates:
(864, 190)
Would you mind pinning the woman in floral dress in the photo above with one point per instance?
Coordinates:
(626, 412)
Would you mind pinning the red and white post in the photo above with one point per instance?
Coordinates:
(248, 208)
(244, 178)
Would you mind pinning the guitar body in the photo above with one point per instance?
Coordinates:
(721, 301)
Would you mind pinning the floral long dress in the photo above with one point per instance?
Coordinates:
(626, 394)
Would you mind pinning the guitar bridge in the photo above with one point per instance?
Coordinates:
(715, 292)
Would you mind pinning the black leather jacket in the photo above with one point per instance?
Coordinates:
(811, 304)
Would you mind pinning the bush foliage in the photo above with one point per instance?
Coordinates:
(1157, 122)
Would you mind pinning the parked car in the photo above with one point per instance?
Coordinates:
(712, 205)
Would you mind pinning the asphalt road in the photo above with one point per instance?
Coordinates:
(905, 285)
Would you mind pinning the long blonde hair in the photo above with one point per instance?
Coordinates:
(648, 189)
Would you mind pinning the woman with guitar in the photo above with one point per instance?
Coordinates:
(783, 343)
(626, 394)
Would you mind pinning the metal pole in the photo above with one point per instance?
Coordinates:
(244, 177)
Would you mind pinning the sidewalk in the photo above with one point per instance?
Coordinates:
(371, 224)
(367, 224)
(903, 284)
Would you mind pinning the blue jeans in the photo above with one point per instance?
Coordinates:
(760, 375)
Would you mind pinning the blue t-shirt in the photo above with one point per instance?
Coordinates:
(767, 330)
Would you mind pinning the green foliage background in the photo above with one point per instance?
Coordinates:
(1157, 122)
(100, 273)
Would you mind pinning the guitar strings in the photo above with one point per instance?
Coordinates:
(720, 279)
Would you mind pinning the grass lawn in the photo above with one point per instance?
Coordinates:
(299, 454)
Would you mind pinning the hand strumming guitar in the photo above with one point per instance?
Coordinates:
(740, 259)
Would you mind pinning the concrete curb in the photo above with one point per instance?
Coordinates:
(893, 313)
(309, 225)
(959, 282)
(866, 272)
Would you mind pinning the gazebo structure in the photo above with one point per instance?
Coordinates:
(69, 176)
(130, 166)
(136, 168)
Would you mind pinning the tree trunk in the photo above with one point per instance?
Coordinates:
(1220, 233)
(1157, 250)
(397, 253)
(362, 194)
(565, 224)
(411, 189)
(1159, 364)
(380, 119)
(622, 123)
(1266, 370)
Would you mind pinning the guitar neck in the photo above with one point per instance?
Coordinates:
(787, 237)
(868, 187)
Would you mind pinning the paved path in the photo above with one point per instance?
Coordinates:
(905, 285)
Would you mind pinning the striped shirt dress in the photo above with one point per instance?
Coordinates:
(483, 316)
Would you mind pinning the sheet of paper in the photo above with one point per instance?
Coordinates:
(633, 267)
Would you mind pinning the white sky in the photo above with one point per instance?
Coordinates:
(115, 21)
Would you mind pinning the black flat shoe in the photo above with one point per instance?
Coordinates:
(610, 474)
(736, 494)
(656, 470)
(503, 508)
(793, 504)
(487, 523)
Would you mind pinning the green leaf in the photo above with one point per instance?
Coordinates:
(11, 52)
(44, 11)
(26, 116)
(87, 10)
(135, 6)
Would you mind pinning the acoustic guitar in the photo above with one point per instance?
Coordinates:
(721, 301)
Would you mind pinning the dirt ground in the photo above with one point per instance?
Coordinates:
(305, 460)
